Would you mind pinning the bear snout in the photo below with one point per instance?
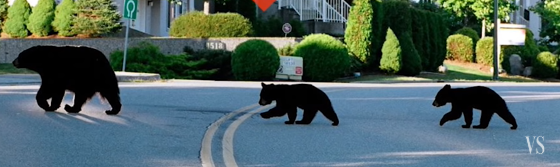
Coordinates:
(263, 102)
(435, 103)
(15, 63)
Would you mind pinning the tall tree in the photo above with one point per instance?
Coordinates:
(549, 10)
(18, 15)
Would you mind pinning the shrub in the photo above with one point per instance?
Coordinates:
(324, 58)
(459, 47)
(16, 23)
(485, 53)
(441, 32)
(391, 60)
(543, 48)
(469, 32)
(41, 18)
(412, 64)
(255, 60)
(287, 50)
(359, 35)
(545, 65)
(530, 50)
(147, 58)
(64, 18)
(218, 61)
(397, 16)
(96, 17)
(200, 25)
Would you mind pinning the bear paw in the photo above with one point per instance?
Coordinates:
(513, 127)
(335, 124)
(70, 109)
(289, 122)
(466, 126)
(479, 127)
(111, 112)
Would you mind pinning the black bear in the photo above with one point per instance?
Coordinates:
(464, 100)
(82, 70)
(289, 97)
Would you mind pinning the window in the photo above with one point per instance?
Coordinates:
(173, 12)
(526, 14)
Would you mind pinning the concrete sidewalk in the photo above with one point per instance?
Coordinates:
(20, 79)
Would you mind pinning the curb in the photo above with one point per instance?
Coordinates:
(20, 79)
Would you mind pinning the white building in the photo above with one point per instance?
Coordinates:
(526, 17)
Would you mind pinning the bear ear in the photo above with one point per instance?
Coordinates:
(447, 86)
(262, 84)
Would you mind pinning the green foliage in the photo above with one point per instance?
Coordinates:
(324, 58)
(440, 42)
(218, 61)
(41, 18)
(391, 60)
(460, 47)
(359, 36)
(545, 66)
(468, 11)
(247, 9)
(549, 11)
(543, 48)
(255, 60)
(397, 16)
(485, 53)
(147, 58)
(96, 17)
(199, 25)
(287, 50)
(16, 23)
(528, 52)
(272, 27)
(3, 11)
(419, 27)
(64, 18)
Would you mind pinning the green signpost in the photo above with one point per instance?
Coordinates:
(129, 12)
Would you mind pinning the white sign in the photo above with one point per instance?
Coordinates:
(291, 68)
(511, 34)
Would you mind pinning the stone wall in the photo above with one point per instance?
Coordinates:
(10, 48)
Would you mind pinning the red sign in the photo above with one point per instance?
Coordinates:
(299, 70)
(264, 4)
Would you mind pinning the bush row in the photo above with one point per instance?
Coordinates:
(199, 25)
(325, 58)
(88, 18)
(420, 34)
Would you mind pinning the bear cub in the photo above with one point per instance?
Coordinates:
(290, 97)
(464, 100)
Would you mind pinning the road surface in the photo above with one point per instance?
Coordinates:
(204, 123)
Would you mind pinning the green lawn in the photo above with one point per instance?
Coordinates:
(454, 73)
(8, 68)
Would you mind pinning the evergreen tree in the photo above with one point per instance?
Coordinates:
(391, 60)
(18, 15)
(64, 18)
(3, 12)
(41, 17)
(361, 33)
(96, 17)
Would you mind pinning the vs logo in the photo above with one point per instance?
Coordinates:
(531, 144)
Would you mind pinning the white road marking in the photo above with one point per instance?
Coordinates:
(227, 141)
(206, 147)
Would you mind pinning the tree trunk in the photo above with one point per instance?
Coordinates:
(483, 32)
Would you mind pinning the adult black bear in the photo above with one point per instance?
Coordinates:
(289, 97)
(464, 100)
(82, 70)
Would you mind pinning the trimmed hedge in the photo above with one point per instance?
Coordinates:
(255, 60)
(469, 32)
(324, 58)
(419, 36)
(485, 54)
(199, 25)
(545, 65)
(460, 47)
(359, 36)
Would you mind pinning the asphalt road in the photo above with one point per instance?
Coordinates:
(199, 123)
